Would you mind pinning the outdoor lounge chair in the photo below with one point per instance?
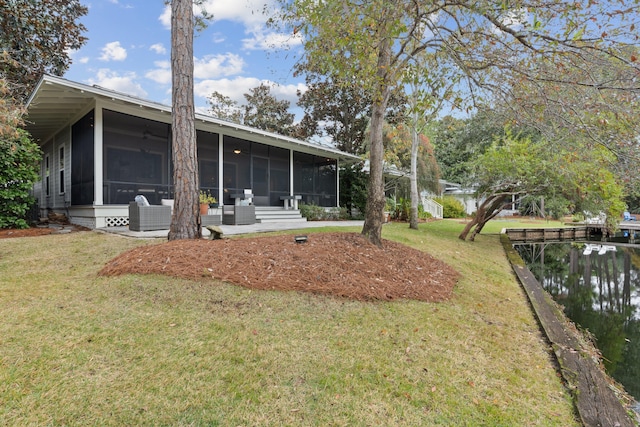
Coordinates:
(148, 218)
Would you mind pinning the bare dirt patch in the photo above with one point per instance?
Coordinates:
(341, 264)
(7, 233)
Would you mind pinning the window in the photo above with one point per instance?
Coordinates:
(81, 168)
(46, 174)
(61, 168)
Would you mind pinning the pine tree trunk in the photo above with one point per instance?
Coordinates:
(185, 223)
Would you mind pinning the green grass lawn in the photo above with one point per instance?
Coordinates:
(78, 349)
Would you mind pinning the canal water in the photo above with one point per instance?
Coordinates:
(599, 287)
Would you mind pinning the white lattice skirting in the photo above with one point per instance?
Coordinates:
(117, 221)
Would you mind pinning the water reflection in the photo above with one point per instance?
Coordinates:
(599, 288)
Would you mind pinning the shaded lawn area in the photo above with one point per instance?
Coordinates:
(79, 349)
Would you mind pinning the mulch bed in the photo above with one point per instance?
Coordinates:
(341, 264)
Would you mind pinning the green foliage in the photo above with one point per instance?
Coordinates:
(390, 204)
(313, 212)
(36, 37)
(523, 165)
(205, 198)
(353, 187)
(264, 111)
(402, 209)
(398, 151)
(555, 207)
(422, 214)
(451, 207)
(224, 108)
(459, 142)
(373, 44)
(340, 111)
(19, 157)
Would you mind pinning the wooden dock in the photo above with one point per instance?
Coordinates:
(629, 232)
(546, 234)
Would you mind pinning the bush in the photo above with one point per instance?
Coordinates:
(314, 212)
(353, 188)
(19, 157)
(402, 210)
(451, 207)
(422, 214)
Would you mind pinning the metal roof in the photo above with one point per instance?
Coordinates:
(56, 102)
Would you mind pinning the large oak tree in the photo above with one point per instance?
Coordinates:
(493, 43)
(517, 165)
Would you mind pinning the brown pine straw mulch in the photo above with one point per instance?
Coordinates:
(341, 264)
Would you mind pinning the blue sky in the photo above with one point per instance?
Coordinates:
(129, 51)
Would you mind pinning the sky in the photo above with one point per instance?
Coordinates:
(129, 43)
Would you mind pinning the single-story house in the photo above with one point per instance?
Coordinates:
(102, 148)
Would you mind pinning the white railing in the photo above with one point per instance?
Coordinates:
(432, 207)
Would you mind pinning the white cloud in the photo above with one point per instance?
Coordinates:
(165, 18)
(161, 74)
(83, 60)
(213, 66)
(247, 12)
(218, 37)
(237, 87)
(233, 88)
(122, 83)
(158, 48)
(269, 40)
(113, 52)
(289, 92)
(513, 19)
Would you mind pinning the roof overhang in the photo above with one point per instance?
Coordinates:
(56, 102)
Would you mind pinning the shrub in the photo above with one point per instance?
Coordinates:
(353, 188)
(451, 207)
(422, 214)
(19, 157)
(403, 209)
(314, 212)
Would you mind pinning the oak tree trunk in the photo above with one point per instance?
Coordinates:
(374, 211)
(413, 220)
(185, 223)
(487, 210)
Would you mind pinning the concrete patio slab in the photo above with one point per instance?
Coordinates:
(230, 230)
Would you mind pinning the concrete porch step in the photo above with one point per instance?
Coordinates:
(280, 219)
(277, 214)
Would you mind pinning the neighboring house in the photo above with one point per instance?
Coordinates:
(466, 196)
(102, 148)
